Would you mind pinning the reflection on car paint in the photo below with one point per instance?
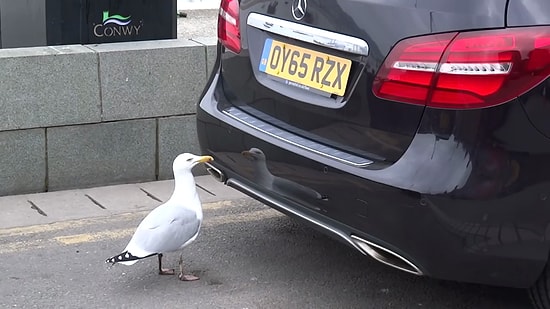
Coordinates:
(285, 187)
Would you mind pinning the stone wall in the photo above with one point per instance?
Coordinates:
(85, 115)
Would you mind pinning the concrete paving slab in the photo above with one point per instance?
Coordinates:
(160, 189)
(121, 198)
(65, 205)
(16, 209)
(209, 190)
(41, 208)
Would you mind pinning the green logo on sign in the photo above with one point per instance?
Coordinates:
(115, 19)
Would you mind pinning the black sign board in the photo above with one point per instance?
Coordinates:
(106, 21)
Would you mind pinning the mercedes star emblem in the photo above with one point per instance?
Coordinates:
(299, 8)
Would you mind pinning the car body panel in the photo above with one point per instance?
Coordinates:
(462, 194)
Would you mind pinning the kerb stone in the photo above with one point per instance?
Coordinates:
(101, 154)
(176, 135)
(210, 43)
(23, 161)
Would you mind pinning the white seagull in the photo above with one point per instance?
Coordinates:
(172, 225)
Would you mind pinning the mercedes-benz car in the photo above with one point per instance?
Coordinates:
(415, 131)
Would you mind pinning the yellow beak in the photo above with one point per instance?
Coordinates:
(204, 159)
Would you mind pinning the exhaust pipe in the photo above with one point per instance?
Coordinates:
(386, 256)
(216, 173)
(377, 252)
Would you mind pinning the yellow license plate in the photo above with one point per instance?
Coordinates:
(305, 67)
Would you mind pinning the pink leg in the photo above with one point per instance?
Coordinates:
(182, 276)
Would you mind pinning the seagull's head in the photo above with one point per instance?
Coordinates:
(186, 161)
(254, 154)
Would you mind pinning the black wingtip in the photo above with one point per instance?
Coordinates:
(111, 260)
(125, 257)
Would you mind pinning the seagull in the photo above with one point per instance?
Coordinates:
(171, 226)
(263, 177)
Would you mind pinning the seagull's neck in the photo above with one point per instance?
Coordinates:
(184, 188)
(262, 172)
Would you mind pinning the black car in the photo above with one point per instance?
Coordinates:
(416, 131)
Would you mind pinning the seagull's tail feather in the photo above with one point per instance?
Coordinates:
(126, 258)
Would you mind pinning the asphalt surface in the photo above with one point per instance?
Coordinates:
(197, 24)
(247, 255)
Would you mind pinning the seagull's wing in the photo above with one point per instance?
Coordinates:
(167, 228)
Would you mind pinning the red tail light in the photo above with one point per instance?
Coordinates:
(229, 32)
(465, 70)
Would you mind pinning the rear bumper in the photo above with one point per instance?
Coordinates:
(428, 211)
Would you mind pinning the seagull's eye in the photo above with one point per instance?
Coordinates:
(189, 160)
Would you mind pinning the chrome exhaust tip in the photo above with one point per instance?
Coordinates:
(386, 256)
(216, 173)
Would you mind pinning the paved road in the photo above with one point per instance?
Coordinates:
(197, 24)
(248, 256)
(197, 4)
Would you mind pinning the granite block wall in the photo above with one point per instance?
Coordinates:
(79, 116)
